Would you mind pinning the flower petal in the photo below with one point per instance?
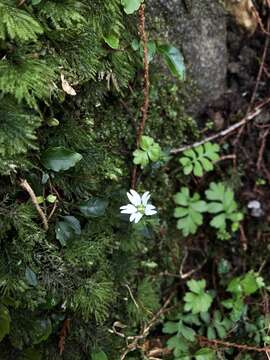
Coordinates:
(138, 217)
(134, 197)
(145, 198)
(132, 217)
(128, 209)
(150, 210)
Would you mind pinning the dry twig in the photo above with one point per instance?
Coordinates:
(257, 110)
(145, 107)
(262, 148)
(145, 331)
(62, 335)
(26, 186)
(226, 344)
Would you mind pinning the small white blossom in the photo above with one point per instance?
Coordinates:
(138, 206)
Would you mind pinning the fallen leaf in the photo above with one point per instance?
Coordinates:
(244, 13)
(66, 87)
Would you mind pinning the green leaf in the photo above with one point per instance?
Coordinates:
(180, 212)
(154, 152)
(211, 334)
(60, 159)
(198, 170)
(187, 332)
(174, 60)
(40, 199)
(51, 198)
(135, 44)
(42, 329)
(215, 207)
(218, 221)
(31, 277)
(196, 286)
(130, 6)
(146, 142)
(140, 158)
(190, 213)
(4, 322)
(99, 355)
(182, 197)
(35, 2)
(188, 169)
(112, 40)
(67, 228)
(251, 284)
(200, 206)
(205, 354)
(197, 301)
(170, 327)
(207, 165)
(94, 207)
(200, 159)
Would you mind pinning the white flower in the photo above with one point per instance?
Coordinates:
(138, 206)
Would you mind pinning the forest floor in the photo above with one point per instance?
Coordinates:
(241, 126)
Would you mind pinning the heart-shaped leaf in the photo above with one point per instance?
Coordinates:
(31, 277)
(130, 6)
(93, 207)
(67, 228)
(112, 41)
(174, 60)
(60, 159)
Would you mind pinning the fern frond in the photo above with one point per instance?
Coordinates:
(27, 80)
(16, 23)
(63, 13)
(17, 131)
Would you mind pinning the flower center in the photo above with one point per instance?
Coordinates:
(141, 209)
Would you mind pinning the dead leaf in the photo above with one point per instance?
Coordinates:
(66, 87)
(244, 13)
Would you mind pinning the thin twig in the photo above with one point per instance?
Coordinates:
(257, 110)
(26, 186)
(145, 331)
(262, 148)
(132, 296)
(227, 344)
(191, 272)
(146, 87)
(259, 76)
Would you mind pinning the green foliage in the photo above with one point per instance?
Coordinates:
(99, 355)
(197, 300)
(174, 60)
(93, 207)
(190, 211)
(130, 6)
(149, 151)
(17, 134)
(60, 159)
(147, 302)
(90, 266)
(200, 159)
(4, 321)
(17, 24)
(112, 40)
(205, 354)
(218, 327)
(246, 285)
(67, 228)
(27, 79)
(222, 204)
